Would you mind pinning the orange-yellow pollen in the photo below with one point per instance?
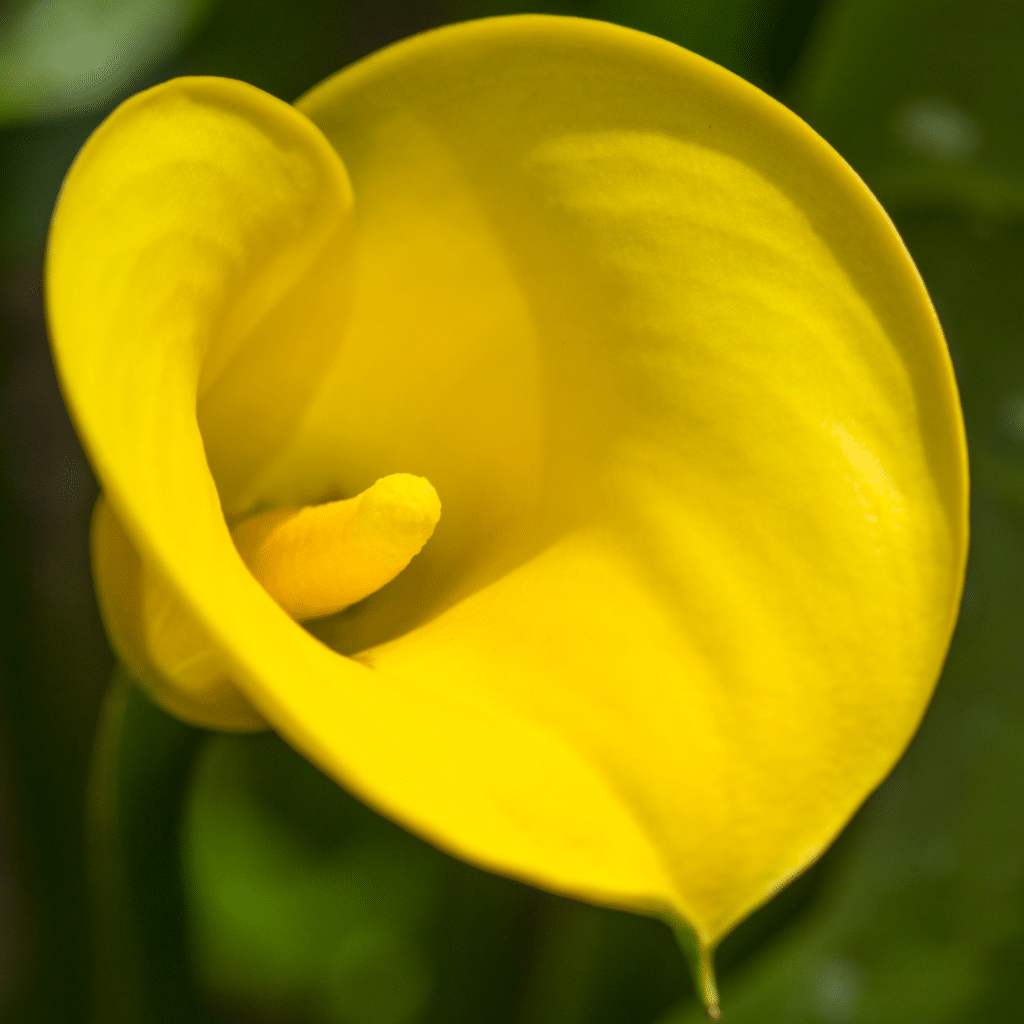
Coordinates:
(317, 560)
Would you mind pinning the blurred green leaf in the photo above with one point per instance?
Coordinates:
(301, 896)
(62, 57)
(925, 98)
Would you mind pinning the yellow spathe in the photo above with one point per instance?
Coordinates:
(672, 373)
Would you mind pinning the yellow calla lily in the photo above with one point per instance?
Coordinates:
(676, 382)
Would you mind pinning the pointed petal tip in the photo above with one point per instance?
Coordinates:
(709, 984)
(699, 953)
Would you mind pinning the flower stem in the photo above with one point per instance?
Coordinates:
(141, 767)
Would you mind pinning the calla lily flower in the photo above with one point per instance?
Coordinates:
(648, 381)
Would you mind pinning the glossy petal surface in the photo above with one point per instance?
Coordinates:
(674, 378)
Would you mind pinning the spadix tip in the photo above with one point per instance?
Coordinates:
(406, 498)
(400, 510)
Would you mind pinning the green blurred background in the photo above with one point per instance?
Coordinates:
(242, 886)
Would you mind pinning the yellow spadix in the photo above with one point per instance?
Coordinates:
(319, 560)
(668, 365)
